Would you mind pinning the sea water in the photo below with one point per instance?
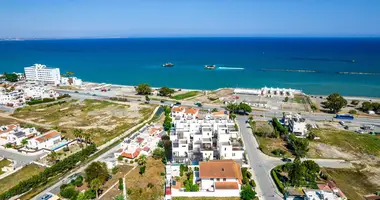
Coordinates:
(314, 65)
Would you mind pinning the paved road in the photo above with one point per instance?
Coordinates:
(262, 163)
(21, 159)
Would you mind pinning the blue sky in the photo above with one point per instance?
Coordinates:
(165, 18)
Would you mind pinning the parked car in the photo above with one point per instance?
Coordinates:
(286, 159)
(46, 197)
(162, 101)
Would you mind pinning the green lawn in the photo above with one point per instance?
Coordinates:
(186, 95)
(352, 182)
(350, 141)
(23, 174)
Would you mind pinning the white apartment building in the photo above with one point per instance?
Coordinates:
(197, 137)
(296, 124)
(39, 72)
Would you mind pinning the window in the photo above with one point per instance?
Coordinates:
(218, 179)
(224, 179)
(233, 154)
(212, 179)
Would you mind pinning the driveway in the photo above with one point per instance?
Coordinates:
(20, 158)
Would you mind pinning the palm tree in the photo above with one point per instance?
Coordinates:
(78, 133)
(96, 185)
(52, 157)
(141, 160)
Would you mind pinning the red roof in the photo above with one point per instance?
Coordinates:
(191, 111)
(146, 148)
(131, 155)
(227, 185)
(139, 139)
(168, 191)
(9, 128)
(47, 136)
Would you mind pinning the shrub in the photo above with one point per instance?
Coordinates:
(120, 158)
(279, 184)
(121, 184)
(150, 185)
(196, 169)
(278, 152)
(142, 170)
(68, 192)
(78, 181)
(90, 194)
(252, 183)
(129, 191)
(353, 112)
(115, 170)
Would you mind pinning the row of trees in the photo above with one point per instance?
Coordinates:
(302, 173)
(168, 120)
(279, 129)
(247, 192)
(42, 178)
(368, 106)
(145, 89)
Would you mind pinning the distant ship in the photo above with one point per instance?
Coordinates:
(210, 66)
(168, 65)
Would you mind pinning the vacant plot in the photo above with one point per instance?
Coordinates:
(353, 182)
(4, 163)
(299, 99)
(186, 95)
(350, 141)
(23, 174)
(153, 176)
(122, 170)
(102, 120)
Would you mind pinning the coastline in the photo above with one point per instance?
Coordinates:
(362, 98)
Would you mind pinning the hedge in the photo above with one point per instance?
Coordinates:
(38, 101)
(279, 184)
(42, 178)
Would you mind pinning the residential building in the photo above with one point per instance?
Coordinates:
(198, 137)
(16, 137)
(331, 186)
(296, 124)
(218, 175)
(312, 194)
(46, 140)
(72, 81)
(41, 73)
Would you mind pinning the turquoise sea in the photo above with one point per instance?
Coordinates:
(271, 62)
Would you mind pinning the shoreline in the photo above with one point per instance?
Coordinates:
(362, 98)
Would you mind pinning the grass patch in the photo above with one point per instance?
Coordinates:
(268, 145)
(138, 183)
(350, 141)
(3, 163)
(352, 182)
(299, 99)
(23, 174)
(186, 95)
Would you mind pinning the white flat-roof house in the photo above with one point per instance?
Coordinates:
(296, 124)
(16, 137)
(71, 81)
(38, 72)
(46, 140)
(220, 175)
(198, 137)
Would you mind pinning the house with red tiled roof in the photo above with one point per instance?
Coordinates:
(46, 140)
(220, 175)
(331, 186)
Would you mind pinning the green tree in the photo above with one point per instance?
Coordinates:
(143, 89)
(77, 133)
(96, 170)
(247, 193)
(24, 142)
(355, 102)
(367, 106)
(121, 184)
(8, 145)
(286, 99)
(335, 102)
(165, 91)
(11, 77)
(214, 110)
(158, 153)
(147, 98)
(142, 170)
(297, 173)
(299, 145)
(68, 192)
(245, 107)
(96, 184)
(142, 160)
(81, 196)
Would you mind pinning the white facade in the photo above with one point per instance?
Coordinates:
(74, 81)
(39, 72)
(46, 140)
(204, 139)
(320, 195)
(296, 124)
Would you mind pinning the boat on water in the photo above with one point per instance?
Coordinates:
(210, 66)
(168, 64)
